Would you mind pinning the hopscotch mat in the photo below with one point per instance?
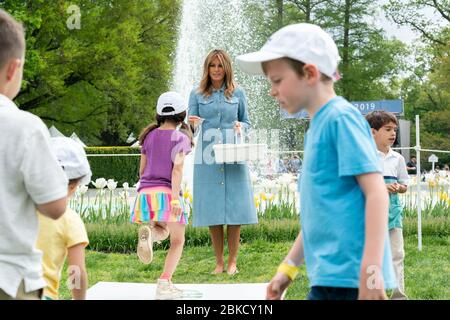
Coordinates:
(146, 291)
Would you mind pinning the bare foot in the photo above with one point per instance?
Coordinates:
(232, 269)
(219, 269)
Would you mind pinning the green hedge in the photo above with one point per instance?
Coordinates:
(122, 238)
(122, 169)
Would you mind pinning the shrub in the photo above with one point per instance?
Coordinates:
(122, 169)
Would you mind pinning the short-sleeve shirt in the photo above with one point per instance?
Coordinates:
(394, 166)
(160, 147)
(29, 175)
(338, 147)
(55, 237)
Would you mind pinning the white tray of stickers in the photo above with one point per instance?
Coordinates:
(239, 151)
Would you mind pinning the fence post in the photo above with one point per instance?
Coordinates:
(419, 173)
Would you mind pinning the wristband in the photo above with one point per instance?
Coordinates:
(289, 270)
(172, 202)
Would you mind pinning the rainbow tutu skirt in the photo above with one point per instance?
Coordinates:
(153, 204)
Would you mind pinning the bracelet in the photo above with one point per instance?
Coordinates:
(172, 202)
(290, 271)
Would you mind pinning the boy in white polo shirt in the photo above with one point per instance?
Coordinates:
(30, 177)
(384, 129)
(344, 207)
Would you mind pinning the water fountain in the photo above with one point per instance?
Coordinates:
(210, 24)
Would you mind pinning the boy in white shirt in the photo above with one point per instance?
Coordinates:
(29, 174)
(384, 129)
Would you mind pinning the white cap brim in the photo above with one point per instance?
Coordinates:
(251, 63)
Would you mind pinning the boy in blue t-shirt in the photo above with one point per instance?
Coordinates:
(344, 202)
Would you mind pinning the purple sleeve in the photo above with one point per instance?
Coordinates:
(183, 144)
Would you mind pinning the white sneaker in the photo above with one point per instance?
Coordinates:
(165, 290)
(145, 245)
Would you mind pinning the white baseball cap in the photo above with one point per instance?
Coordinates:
(172, 100)
(303, 42)
(72, 158)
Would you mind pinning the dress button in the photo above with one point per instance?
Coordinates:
(222, 183)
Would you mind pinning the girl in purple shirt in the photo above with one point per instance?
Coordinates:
(159, 201)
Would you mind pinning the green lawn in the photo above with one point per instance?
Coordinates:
(426, 272)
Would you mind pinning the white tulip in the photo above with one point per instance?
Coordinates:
(277, 187)
(100, 183)
(293, 187)
(111, 184)
(253, 177)
(126, 186)
(83, 189)
(285, 179)
(270, 184)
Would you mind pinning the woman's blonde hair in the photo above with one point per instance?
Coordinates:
(206, 83)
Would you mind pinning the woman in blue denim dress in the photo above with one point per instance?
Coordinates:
(223, 193)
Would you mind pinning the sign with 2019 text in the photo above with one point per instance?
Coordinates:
(365, 107)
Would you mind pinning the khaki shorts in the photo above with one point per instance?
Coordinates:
(22, 295)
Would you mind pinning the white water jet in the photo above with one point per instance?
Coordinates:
(212, 24)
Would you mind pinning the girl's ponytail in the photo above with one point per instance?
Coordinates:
(149, 129)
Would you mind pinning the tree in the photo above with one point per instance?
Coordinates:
(371, 62)
(103, 79)
(308, 7)
(425, 91)
(426, 94)
(413, 13)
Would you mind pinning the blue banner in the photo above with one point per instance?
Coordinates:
(365, 107)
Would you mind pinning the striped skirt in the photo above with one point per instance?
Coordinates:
(153, 204)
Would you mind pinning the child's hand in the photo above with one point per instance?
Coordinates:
(393, 187)
(371, 285)
(277, 286)
(176, 209)
(238, 127)
(371, 294)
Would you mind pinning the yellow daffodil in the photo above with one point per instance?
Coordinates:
(263, 196)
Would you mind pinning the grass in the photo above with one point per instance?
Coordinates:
(121, 238)
(426, 272)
